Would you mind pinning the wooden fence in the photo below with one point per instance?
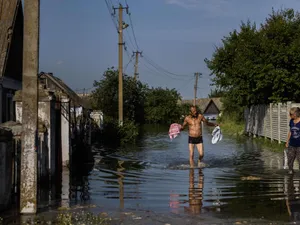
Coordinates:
(269, 121)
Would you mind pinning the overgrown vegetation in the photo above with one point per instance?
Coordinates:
(141, 105)
(258, 64)
(161, 105)
(231, 125)
(273, 146)
(72, 218)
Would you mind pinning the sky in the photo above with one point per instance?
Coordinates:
(79, 41)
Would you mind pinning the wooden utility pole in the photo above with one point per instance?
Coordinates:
(197, 75)
(28, 196)
(137, 53)
(122, 26)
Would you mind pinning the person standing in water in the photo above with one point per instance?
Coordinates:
(195, 133)
(293, 139)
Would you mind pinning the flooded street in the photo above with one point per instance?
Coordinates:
(240, 181)
(151, 183)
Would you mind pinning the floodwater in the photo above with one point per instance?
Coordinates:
(240, 183)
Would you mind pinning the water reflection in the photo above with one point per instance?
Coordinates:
(241, 179)
(75, 181)
(195, 192)
(121, 185)
(292, 200)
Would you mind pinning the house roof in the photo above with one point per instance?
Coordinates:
(203, 103)
(218, 103)
(8, 13)
(77, 101)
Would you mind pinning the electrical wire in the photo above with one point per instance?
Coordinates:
(147, 59)
(111, 14)
(130, 60)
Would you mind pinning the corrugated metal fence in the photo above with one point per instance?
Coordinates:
(269, 121)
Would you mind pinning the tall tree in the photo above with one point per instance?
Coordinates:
(259, 65)
(161, 105)
(105, 96)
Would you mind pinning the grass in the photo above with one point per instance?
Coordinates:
(232, 128)
(273, 146)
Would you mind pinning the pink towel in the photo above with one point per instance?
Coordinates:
(174, 130)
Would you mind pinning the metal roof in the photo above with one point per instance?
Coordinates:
(77, 101)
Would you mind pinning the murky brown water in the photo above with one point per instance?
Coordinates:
(242, 182)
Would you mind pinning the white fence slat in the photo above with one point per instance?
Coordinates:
(269, 121)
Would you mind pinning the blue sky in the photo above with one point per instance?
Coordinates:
(78, 39)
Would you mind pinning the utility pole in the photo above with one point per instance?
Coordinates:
(122, 26)
(28, 196)
(197, 75)
(137, 53)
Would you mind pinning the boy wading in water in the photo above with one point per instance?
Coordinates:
(293, 139)
(195, 133)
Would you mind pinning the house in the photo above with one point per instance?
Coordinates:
(57, 106)
(76, 109)
(209, 107)
(11, 56)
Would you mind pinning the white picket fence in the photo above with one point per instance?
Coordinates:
(269, 121)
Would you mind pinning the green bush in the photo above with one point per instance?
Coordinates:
(231, 124)
(127, 133)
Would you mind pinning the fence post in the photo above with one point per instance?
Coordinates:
(271, 121)
(278, 114)
(265, 108)
(288, 107)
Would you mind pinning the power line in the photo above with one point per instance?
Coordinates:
(161, 74)
(130, 60)
(111, 14)
(131, 25)
(147, 58)
(151, 62)
(186, 84)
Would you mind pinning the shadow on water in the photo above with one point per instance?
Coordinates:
(69, 187)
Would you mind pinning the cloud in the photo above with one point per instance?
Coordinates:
(59, 62)
(210, 5)
(188, 4)
(210, 8)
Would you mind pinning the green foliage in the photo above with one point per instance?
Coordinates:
(128, 132)
(185, 109)
(216, 93)
(231, 125)
(120, 134)
(105, 96)
(259, 65)
(161, 105)
(70, 218)
(140, 104)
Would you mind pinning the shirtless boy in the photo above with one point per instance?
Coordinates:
(195, 133)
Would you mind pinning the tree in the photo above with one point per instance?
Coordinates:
(105, 96)
(216, 93)
(161, 105)
(259, 66)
